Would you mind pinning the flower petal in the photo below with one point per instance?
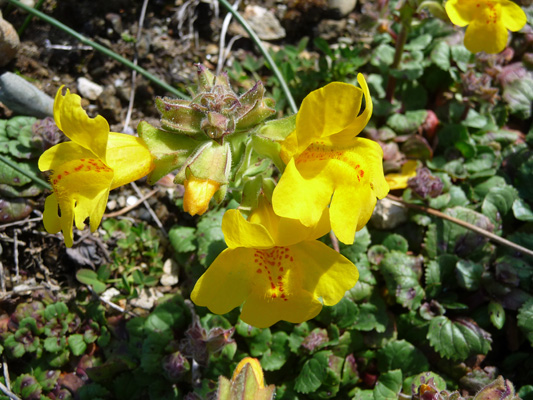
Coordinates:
(399, 180)
(287, 231)
(490, 37)
(303, 194)
(71, 118)
(81, 187)
(226, 283)
(351, 208)
(328, 275)
(513, 17)
(460, 12)
(262, 312)
(129, 158)
(198, 194)
(241, 233)
(51, 220)
(324, 112)
(62, 153)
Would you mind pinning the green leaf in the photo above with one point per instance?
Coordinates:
(469, 274)
(182, 238)
(522, 211)
(56, 310)
(372, 315)
(360, 245)
(383, 56)
(210, 237)
(278, 353)
(440, 274)
(401, 279)
(497, 314)
(519, 94)
(260, 343)
(461, 56)
(54, 344)
(407, 123)
(525, 320)
(89, 277)
(397, 242)
(459, 339)
(400, 354)
(419, 42)
(77, 344)
(388, 386)
(498, 202)
(312, 374)
(454, 239)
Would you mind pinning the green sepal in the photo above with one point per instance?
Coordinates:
(212, 161)
(170, 151)
(177, 116)
(267, 141)
(244, 386)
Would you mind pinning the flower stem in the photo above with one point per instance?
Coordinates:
(263, 51)
(477, 229)
(100, 48)
(400, 43)
(34, 178)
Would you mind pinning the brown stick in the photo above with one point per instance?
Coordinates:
(477, 229)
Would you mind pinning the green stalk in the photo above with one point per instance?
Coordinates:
(264, 51)
(34, 178)
(28, 18)
(100, 48)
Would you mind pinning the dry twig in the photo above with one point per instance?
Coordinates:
(477, 229)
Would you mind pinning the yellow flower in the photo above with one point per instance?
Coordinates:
(327, 165)
(198, 193)
(488, 22)
(399, 180)
(275, 267)
(85, 169)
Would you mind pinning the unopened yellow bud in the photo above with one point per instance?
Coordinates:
(256, 368)
(198, 193)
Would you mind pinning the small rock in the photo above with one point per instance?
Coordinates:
(264, 23)
(88, 89)
(9, 42)
(23, 98)
(147, 298)
(341, 8)
(170, 273)
(388, 215)
(109, 294)
(110, 106)
(329, 29)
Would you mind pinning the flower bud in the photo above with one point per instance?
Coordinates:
(198, 193)
(215, 110)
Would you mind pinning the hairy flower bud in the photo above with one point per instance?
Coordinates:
(215, 110)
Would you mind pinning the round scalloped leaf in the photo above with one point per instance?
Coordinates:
(388, 386)
(312, 374)
(401, 354)
(525, 319)
(77, 344)
(89, 277)
(458, 340)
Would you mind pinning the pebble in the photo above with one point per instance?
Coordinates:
(21, 97)
(264, 23)
(147, 298)
(9, 42)
(89, 89)
(341, 8)
(170, 273)
(388, 215)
